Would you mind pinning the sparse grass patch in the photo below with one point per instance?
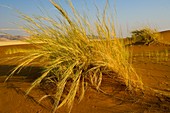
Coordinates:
(153, 56)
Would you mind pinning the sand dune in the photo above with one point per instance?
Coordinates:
(12, 42)
(166, 35)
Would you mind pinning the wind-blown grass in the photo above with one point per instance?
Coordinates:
(72, 58)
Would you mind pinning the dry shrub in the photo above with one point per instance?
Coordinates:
(72, 58)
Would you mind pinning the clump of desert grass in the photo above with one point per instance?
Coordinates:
(146, 36)
(73, 58)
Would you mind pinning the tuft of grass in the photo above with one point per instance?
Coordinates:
(72, 58)
(146, 36)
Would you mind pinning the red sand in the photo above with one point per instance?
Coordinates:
(154, 75)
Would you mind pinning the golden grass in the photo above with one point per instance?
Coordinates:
(72, 57)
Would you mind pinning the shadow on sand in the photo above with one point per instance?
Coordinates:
(29, 73)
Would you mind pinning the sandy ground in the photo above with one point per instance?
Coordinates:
(154, 73)
(12, 42)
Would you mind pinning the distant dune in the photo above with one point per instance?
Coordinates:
(4, 39)
(10, 37)
(166, 35)
(12, 42)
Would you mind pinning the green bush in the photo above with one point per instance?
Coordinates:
(145, 36)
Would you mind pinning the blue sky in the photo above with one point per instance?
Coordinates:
(131, 14)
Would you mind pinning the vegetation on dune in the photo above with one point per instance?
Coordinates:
(71, 60)
(145, 36)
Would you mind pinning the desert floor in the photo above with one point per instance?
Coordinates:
(154, 70)
(12, 42)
